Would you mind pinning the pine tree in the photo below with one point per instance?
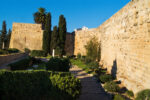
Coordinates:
(3, 34)
(62, 33)
(47, 34)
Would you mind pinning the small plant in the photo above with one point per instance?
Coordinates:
(143, 95)
(111, 87)
(93, 65)
(130, 93)
(79, 55)
(27, 50)
(105, 78)
(118, 97)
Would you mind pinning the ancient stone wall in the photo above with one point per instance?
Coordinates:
(26, 36)
(82, 37)
(125, 44)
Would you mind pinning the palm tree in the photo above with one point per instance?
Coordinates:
(40, 16)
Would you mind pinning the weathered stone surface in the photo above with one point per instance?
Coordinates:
(26, 36)
(125, 44)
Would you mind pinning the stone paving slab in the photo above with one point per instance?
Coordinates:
(91, 90)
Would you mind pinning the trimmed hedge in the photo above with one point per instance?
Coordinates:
(38, 85)
(105, 78)
(111, 87)
(9, 51)
(58, 64)
(143, 95)
(38, 53)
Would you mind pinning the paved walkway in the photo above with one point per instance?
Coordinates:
(91, 90)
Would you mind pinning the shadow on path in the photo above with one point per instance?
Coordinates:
(91, 90)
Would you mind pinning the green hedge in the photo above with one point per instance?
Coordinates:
(38, 85)
(9, 51)
(58, 64)
(143, 95)
(118, 97)
(38, 53)
(105, 78)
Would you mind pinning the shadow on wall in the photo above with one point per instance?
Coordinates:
(114, 69)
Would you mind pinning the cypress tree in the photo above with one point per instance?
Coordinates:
(54, 38)
(8, 39)
(3, 35)
(47, 34)
(62, 33)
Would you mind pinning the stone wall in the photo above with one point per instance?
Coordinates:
(4, 59)
(125, 44)
(26, 36)
(82, 37)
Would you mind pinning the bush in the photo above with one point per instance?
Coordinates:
(3, 52)
(105, 78)
(38, 53)
(38, 85)
(111, 87)
(130, 93)
(58, 64)
(13, 50)
(118, 97)
(79, 55)
(93, 65)
(27, 50)
(143, 95)
(21, 64)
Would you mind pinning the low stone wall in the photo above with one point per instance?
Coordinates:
(4, 59)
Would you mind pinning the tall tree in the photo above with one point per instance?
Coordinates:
(54, 38)
(8, 39)
(3, 35)
(47, 34)
(40, 17)
(62, 33)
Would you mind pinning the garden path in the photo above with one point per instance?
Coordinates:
(91, 90)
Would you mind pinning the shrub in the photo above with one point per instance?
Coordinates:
(130, 93)
(38, 53)
(118, 97)
(2, 52)
(111, 87)
(58, 64)
(143, 95)
(21, 64)
(38, 85)
(13, 50)
(105, 78)
(27, 50)
(93, 65)
(79, 55)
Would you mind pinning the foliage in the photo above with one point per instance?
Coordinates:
(118, 97)
(3, 52)
(38, 53)
(143, 95)
(21, 64)
(58, 64)
(62, 33)
(47, 34)
(3, 35)
(38, 85)
(8, 36)
(92, 49)
(40, 17)
(105, 78)
(93, 65)
(27, 50)
(130, 93)
(111, 87)
(9, 51)
(54, 39)
(79, 55)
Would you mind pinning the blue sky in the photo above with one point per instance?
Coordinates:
(78, 13)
